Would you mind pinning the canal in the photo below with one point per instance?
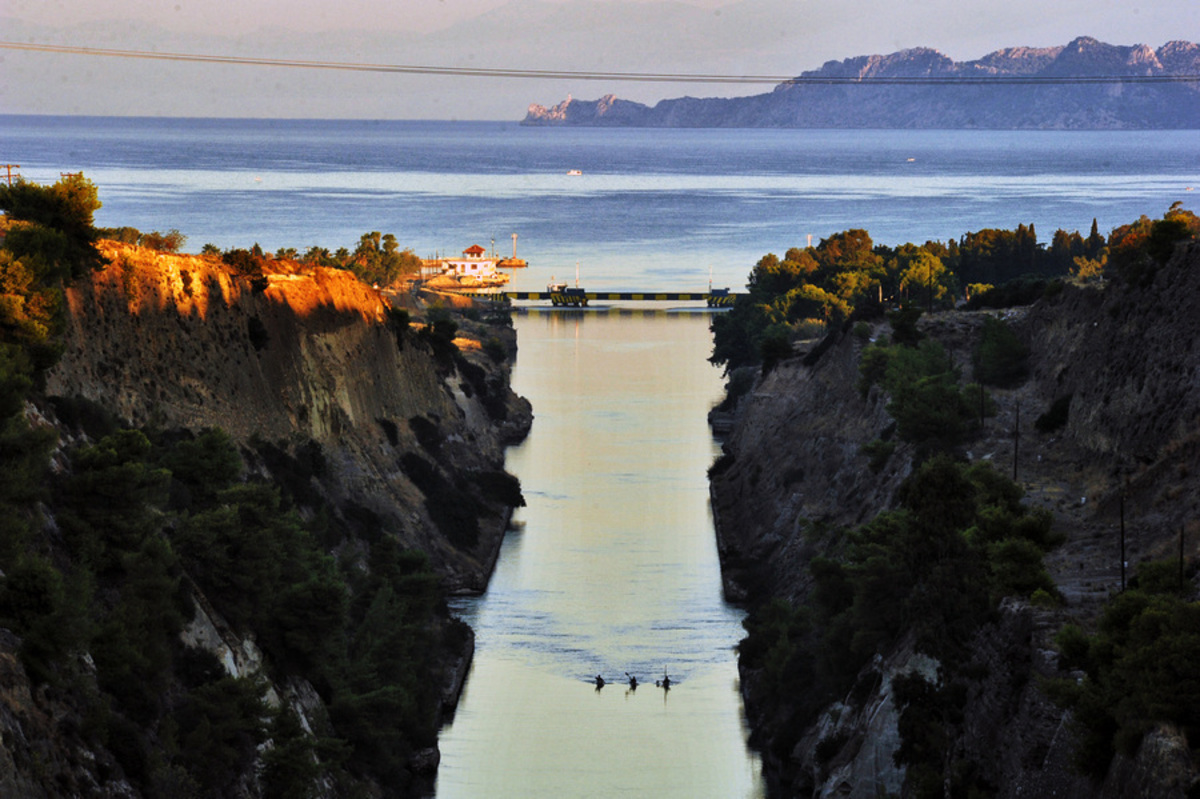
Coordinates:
(611, 569)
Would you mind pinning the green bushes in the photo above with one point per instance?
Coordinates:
(999, 359)
(811, 289)
(929, 407)
(1140, 669)
(452, 508)
(219, 724)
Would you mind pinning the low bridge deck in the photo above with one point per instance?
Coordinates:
(719, 298)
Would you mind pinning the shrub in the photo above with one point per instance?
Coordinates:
(904, 326)
(80, 413)
(500, 487)
(171, 241)
(428, 434)
(776, 346)
(494, 348)
(1141, 668)
(1000, 359)
(243, 262)
(221, 725)
(879, 451)
(1019, 291)
(257, 333)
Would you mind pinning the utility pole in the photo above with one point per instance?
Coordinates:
(1016, 440)
(1181, 559)
(1122, 541)
(9, 169)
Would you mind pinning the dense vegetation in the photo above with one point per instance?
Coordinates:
(1140, 668)
(814, 288)
(106, 561)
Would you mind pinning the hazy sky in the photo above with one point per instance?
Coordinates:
(760, 37)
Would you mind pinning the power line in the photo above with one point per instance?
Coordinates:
(642, 77)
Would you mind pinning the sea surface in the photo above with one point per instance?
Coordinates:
(650, 209)
(611, 569)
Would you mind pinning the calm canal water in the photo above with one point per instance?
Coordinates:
(612, 569)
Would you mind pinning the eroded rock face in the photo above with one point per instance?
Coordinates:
(1163, 767)
(287, 359)
(788, 467)
(43, 752)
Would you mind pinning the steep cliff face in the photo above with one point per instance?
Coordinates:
(821, 98)
(786, 469)
(288, 358)
(794, 471)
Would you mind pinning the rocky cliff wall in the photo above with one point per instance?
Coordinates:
(288, 358)
(787, 470)
(793, 471)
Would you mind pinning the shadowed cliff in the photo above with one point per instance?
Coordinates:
(1099, 435)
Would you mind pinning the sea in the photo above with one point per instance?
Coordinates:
(628, 209)
(611, 568)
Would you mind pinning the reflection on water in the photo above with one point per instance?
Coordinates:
(612, 570)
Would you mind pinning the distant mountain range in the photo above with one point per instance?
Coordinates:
(952, 94)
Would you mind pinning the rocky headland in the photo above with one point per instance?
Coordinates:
(798, 472)
(1034, 88)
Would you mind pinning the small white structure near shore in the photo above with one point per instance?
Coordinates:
(473, 269)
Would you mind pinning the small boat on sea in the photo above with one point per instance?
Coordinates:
(574, 172)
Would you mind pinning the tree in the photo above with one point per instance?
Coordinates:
(58, 222)
(171, 241)
(924, 280)
(1138, 249)
(999, 359)
(378, 259)
(1095, 242)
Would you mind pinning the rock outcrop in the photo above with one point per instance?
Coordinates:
(922, 88)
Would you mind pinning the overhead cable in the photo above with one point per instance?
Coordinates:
(642, 77)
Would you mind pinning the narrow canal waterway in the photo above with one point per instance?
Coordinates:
(612, 568)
